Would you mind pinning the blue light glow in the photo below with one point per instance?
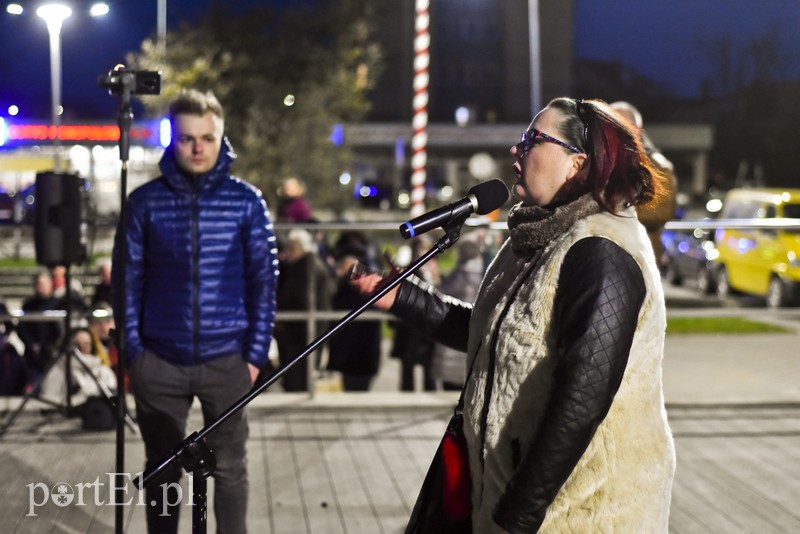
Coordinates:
(337, 135)
(743, 245)
(165, 135)
(367, 191)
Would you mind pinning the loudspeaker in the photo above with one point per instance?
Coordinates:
(60, 229)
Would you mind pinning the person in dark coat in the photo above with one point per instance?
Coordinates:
(102, 291)
(12, 367)
(41, 338)
(304, 285)
(411, 345)
(356, 350)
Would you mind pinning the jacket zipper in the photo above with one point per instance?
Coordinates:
(195, 271)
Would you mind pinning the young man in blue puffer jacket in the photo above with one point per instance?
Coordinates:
(200, 283)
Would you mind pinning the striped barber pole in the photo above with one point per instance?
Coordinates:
(419, 141)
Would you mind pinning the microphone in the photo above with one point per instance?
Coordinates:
(481, 199)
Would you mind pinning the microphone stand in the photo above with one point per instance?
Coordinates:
(194, 455)
(124, 120)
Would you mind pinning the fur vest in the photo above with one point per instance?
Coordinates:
(623, 481)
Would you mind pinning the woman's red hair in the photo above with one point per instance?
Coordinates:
(620, 171)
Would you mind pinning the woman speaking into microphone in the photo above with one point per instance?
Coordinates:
(563, 410)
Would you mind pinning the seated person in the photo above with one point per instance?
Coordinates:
(41, 338)
(12, 367)
(88, 373)
(101, 324)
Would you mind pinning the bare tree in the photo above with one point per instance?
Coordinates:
(752, 145)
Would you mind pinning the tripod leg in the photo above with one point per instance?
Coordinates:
(109, 396)
(31, 393)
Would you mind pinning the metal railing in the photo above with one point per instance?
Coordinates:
(735, 224)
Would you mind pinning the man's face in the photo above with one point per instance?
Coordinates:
(197, 140)
(44, 286)
(102, 328)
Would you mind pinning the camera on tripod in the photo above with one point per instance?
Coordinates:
(135, 82)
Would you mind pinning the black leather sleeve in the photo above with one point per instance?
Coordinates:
(601, 290)
(442, 318)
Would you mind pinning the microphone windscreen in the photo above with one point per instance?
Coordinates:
(490, 195)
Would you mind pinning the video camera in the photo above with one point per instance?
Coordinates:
(142, 82)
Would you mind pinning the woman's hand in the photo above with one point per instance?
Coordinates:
(366, 285)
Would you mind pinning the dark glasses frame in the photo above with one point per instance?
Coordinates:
(526, 142)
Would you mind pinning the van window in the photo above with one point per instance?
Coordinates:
(792, 211)
(747, 209)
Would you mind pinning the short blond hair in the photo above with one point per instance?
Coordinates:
(193, 102)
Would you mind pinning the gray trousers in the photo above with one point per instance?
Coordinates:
(164, 393)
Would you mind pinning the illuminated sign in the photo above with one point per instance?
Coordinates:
(146, 133)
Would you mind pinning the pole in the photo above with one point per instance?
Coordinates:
(419, 140)
(534, 37)
(162, 25)
(54, 31)
(124, 120)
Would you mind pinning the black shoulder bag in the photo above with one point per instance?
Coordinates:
(444, 505)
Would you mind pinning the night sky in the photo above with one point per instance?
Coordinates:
(667, 41)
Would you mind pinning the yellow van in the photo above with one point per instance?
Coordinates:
(763, 262)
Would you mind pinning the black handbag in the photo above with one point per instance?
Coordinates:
(444, 505)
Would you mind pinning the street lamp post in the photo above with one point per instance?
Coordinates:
(161, 24)
(534, 38)
(54, 15)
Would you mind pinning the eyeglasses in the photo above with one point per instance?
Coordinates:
(526, 142)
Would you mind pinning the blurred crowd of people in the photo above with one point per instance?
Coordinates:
(35, 361)
(315, 275)
(314, 272)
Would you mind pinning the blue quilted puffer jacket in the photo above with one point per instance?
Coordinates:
(201, 267)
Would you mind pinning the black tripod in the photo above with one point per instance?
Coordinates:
(67, 352)
(125, 84)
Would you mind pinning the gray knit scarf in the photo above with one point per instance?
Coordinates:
(532, 227)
